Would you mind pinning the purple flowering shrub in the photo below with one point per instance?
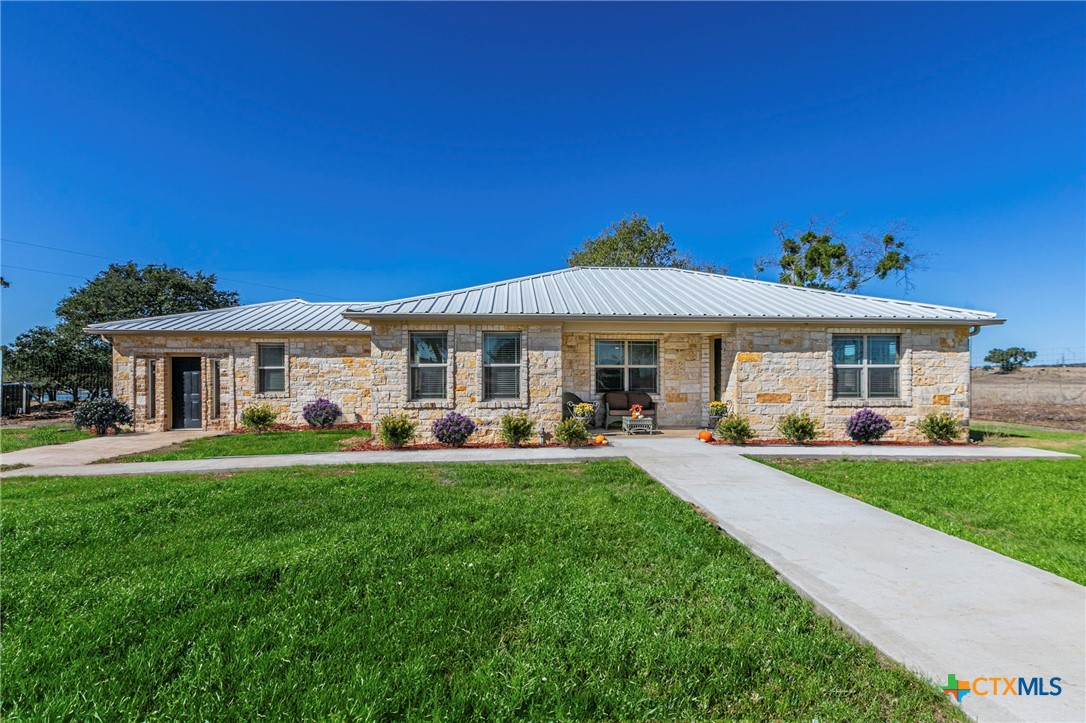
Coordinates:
(453, 429)
(321, 413)
(867, 426)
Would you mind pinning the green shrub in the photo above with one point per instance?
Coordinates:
(940, 427)
(396, 430)
(516, 429)
(258, 417)
(798, 428)
(102, 414)
(571, 431)
(735, 429)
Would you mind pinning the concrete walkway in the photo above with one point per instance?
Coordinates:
(272, 461)
(933, 602)
(950, 453)
(86, 451)
(59, 464)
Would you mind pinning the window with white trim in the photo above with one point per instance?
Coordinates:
(627, 366)
(866, 366)
(501, 365)
(271, 365)
(429, 364)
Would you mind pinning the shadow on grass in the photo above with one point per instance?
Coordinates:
(978, 436)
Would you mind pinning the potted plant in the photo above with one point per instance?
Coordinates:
(717, 410)
(584, 411)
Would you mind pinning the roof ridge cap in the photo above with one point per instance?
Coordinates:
(502, 282)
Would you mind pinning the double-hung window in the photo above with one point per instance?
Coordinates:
(866, 366)
(429, 364)
(271, 363)
(501, 365)
(627, 366)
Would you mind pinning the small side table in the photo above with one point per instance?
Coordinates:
(642, 424)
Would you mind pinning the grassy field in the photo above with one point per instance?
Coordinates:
(389, 591)
(1049, 396)
(236, 445)
(1000, 434)
(15, 438)
(1031, 510)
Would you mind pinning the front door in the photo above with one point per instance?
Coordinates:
(714, 371)
(186, 392)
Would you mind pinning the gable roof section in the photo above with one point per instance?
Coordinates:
(661, 294)
(289, 315)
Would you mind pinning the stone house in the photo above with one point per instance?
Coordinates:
(684, 337)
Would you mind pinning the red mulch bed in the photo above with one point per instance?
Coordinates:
(836, 443)
(303, 427)
(373, 445)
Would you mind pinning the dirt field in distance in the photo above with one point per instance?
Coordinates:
(1045, 396)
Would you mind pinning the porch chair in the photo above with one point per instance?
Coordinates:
(616, 405)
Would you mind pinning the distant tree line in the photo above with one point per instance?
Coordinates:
(63, 359)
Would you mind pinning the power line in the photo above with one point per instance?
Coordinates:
(43, 271)
(53, 248)
(119, 261)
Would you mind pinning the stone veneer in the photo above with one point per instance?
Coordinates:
(541, 375)
(683, 373)
(336, 368)
(766, 372)
(772, 371)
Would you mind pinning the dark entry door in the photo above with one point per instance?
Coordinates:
(186, 392)
(718, 353)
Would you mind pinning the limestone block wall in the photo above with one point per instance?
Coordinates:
(540, 382)
(683, 374)
(773, 371)
(333, 367)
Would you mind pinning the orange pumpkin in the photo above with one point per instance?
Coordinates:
(705, 435)
(600, 439)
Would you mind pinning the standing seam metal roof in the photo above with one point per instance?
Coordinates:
(661, 293)
(289, 315)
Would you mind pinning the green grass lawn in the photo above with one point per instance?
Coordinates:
(1000, 434)
(15, 438)
(389, 591)
(233, 445)
(1031, 510)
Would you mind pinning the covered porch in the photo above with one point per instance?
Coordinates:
(673, 371)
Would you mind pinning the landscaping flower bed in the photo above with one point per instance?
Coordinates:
(835, 443)
(373, 444)
(362, 426)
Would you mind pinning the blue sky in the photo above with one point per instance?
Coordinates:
(365, 152)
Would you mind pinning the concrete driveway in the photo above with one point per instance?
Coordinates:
(936, 603)
(86, 451)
